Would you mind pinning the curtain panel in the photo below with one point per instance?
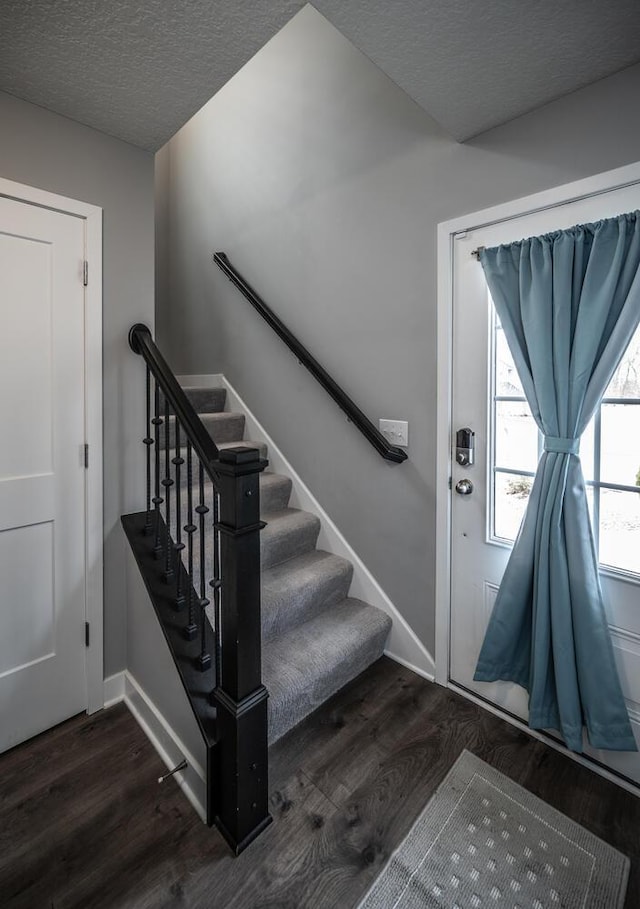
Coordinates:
(569, 303)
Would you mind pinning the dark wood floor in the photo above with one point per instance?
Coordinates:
(83, 822)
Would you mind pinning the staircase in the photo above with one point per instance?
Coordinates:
(258, 621)
(315, 638)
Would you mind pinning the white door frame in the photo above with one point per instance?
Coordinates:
(94, 533)
(447, 231)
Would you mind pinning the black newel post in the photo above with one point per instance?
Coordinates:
(239, 799)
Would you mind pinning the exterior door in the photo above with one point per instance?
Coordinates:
(488, 399)
(42, 484)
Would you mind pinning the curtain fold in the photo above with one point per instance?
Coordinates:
(569, 303)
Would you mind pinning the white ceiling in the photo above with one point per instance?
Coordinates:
(139, 70)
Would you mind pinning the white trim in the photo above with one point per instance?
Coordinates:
(633, 710)
(114, 689)
(551, 198)
(167, 743)
(403, 645)
(94, 531)
(444, 357)
(429, 676)
(587, 762)
(93, 429)
(625, 634)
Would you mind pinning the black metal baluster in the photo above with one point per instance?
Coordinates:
(157, 499)
(191, 629)
(148, 442)
(204, 660)
(167, 483)
(179, 545)
(216, 582)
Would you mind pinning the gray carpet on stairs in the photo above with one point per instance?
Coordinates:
(315, 637)
(296, 590)
(310, 662)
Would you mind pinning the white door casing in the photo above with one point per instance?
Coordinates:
(50, 505)
(469, 567)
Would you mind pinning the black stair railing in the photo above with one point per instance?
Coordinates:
(356, 416)
(198, 549)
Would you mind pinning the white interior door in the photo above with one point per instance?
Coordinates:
(488, 398)
(42, 498)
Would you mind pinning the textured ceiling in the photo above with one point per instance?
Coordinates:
(139, 70)
(136, 69)
(474, 65)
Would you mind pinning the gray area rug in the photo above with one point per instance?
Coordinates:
(483, 842)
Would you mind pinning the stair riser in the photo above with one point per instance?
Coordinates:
(274, 496)
(284, 608)
(285, 545)
(305, 667)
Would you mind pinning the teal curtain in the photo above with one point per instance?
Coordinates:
(569, 303)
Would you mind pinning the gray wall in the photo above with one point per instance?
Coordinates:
(53, 153)
(324, 183)
(152, 666)
(162, 228)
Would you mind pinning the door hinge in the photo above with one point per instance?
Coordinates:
(85, 273)
(86, 634)
(86, 455)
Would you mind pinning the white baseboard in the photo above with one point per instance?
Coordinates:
(192, 780)
(429, 676)
(403, 645)
(114, 689)
(123, 687)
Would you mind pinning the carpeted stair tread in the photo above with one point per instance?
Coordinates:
(298, 589)
(203, 400)
(288, 533)
(207, 400)
(307, 664)
(222, 427)
(275, 490)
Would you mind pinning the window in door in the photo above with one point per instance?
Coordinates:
(609, 451)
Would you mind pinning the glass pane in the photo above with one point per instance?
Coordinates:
(511, 494)
(516, 436)
(620, 444)
(620, 530)
(626, 379)
(507, 381)
(586, 451)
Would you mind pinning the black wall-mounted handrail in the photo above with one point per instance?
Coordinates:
(342, 399)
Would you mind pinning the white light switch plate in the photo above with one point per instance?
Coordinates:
(395, 431)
